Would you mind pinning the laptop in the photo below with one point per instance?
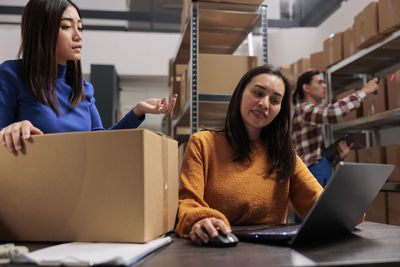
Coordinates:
(345, 199)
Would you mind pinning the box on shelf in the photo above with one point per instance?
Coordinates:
(389, 19)
(333, 49)
(317, 61)
(380, 101)
(372, 155)
(220, 74)
(228, 4)
(183, 88)
(394, 207)
(351, 156)
(105, 186)
(175, 89)
(393, 157)
(354, 114)
(377, 211)
(303, 65)
(349, 42)
(293, 70)
(366, 26)
(393, 90)
(184, 13)
(287, 72)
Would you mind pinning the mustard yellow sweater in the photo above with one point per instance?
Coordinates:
(212, 185)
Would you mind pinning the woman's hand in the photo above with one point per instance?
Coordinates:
(344, 149)
(204, 228)
(11, 135)
(154, 106)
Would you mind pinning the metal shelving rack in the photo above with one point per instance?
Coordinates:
(378, 60)
(213, 28)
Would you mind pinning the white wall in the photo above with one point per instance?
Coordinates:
(286, 46)
(133, 53)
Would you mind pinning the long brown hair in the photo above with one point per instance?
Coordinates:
(275, 136)
(39, 33)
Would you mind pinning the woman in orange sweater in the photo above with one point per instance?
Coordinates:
(248, 173)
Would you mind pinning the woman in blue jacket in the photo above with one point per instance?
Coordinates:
(43, 91)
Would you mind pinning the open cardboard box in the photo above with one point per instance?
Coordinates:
(106, 186)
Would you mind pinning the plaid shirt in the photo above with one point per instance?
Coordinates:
(308, 120)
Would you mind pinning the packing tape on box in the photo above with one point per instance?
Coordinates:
(164, 147)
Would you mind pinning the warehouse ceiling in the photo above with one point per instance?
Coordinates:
(165, 15)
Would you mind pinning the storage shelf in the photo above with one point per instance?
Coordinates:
(212, 111)
(378, 60)
(391, 187)
(220, 31)
(387, 119)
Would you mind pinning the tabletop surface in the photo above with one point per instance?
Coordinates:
(371, 244)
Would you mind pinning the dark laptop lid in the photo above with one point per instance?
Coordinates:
(339, 209)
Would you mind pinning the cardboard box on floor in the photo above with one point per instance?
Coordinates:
(106, 186)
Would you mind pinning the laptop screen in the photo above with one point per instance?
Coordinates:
(339, 209)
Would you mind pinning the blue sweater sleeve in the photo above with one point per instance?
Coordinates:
(129, 121)
(17, 104)
(8, 99)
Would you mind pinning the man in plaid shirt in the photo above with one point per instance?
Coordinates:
(310, 115)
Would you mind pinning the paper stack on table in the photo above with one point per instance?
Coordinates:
(88, 254)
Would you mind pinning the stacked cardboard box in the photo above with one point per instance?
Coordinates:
(377, 211)
(389, 19)
(317, 61)
(375, 103)
(393, 157)
(372, 155)
(354, 114)
(366, 26)
(394, 208)
(219, 74)
(303, 65)
(349, 42)
(393, 90)
(351, 156)
(333, 49)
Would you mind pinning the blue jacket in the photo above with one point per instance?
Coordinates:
(17, 104)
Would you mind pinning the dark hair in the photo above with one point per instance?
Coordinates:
(304, 78)
(40, 24)
(275, 136)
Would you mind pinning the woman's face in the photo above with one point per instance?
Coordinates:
(69, 42)
(261, 102)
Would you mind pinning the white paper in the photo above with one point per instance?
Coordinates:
(88, 254)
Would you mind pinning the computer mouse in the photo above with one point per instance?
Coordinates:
(222, 240)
